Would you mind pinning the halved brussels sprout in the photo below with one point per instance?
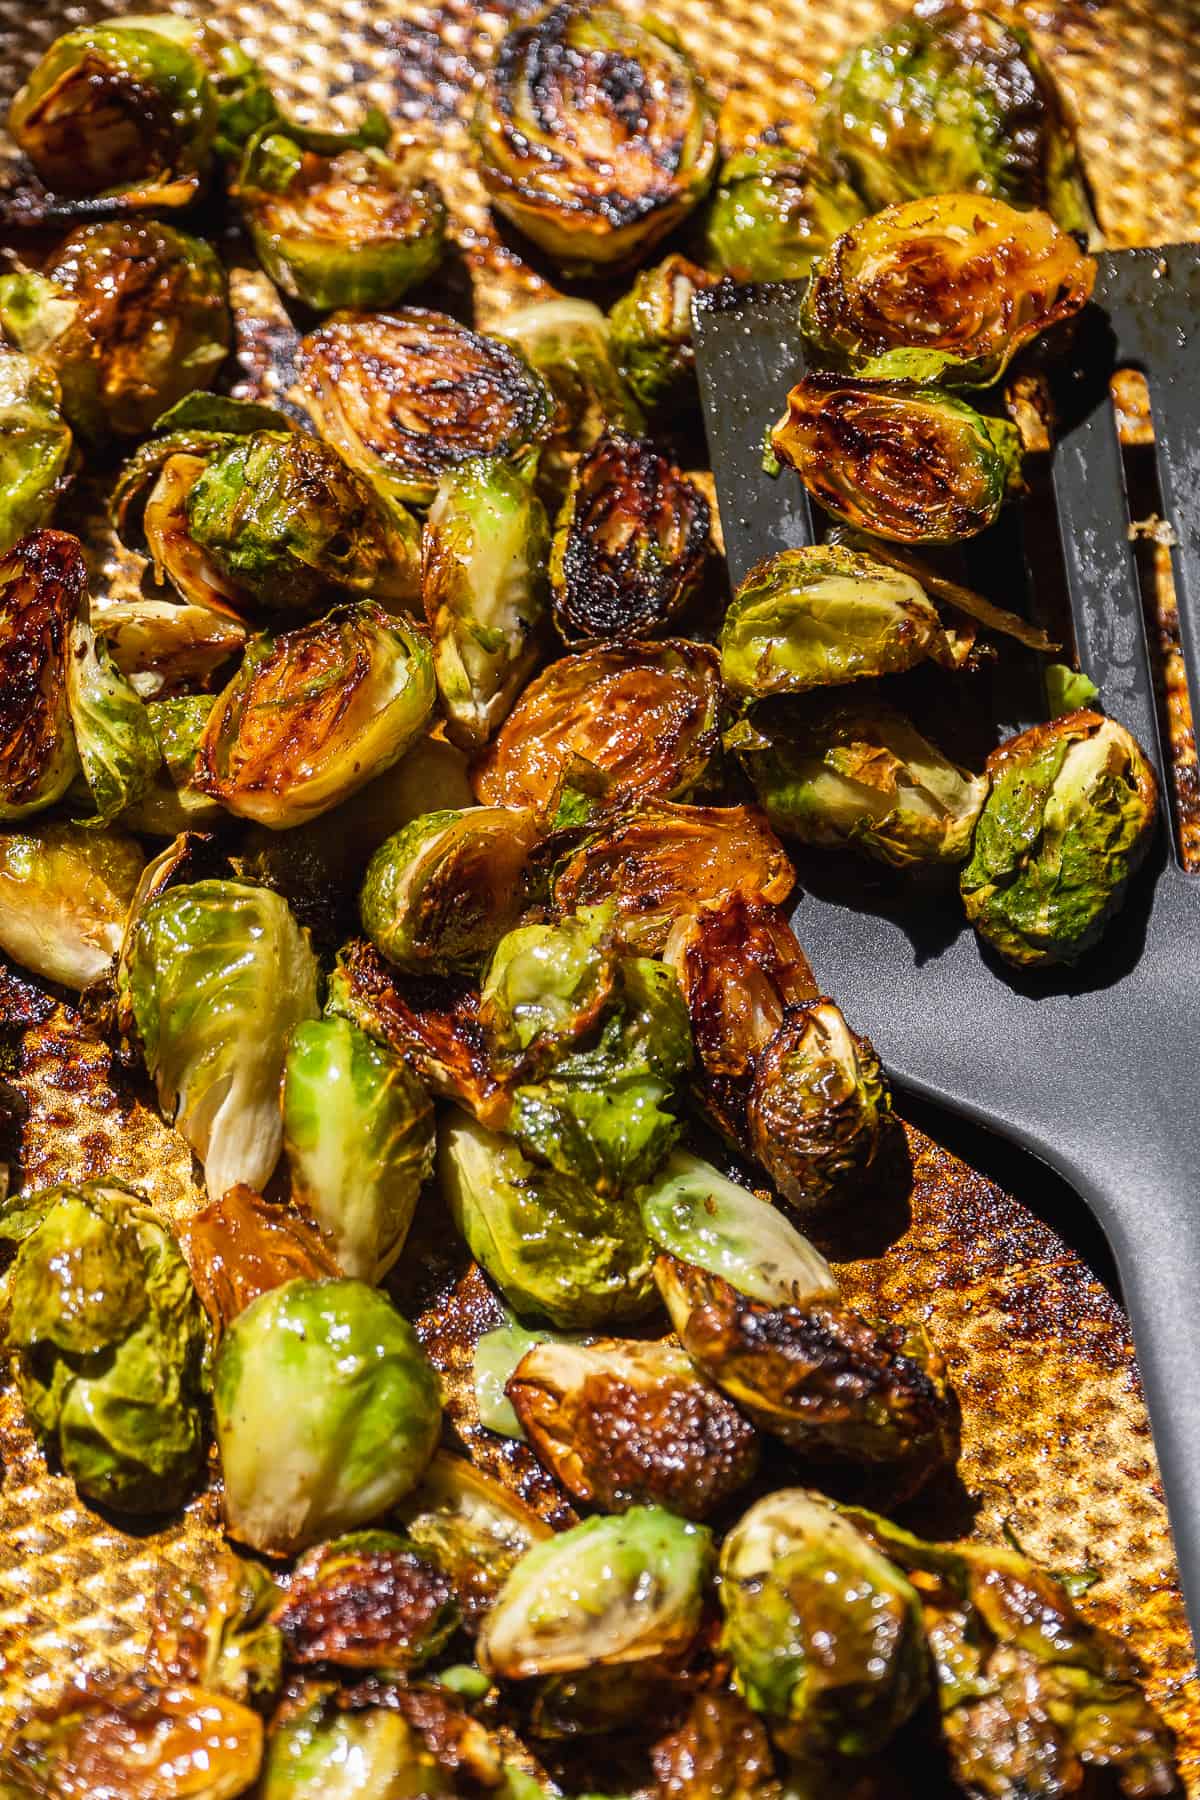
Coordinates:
(43, 590)
(130, 315)
(1070, 815)
(327, 1413)
(65, 892)
(217, 975)
(952, 99)
(863, 778)
(358, 1130)
(595, 134)
(721, 1749)
(439, 895)
(241, 1246)
(633, 721)
(108, 1343)
(946, 289)
(484, 585)
(370, 1600)
(172, 802)
(631, 1424)
(652, 333)
(311, 716)
(35, 446)
(570, 345)
(630, 543)
(824, 1632)
(406, 396)
(912, 464)
(164, 648)
(214, 1631)
(553, 1246)
(471, 1526)
(774, 211)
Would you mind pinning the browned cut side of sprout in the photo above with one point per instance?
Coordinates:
(43, 586)
(368, 1600)
(241, 1246)
(721, 1751)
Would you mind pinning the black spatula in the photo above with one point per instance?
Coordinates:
(1095, 1071)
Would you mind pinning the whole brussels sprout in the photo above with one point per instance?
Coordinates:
(472, 1526)
(824, 1632)
(130, 315)
(65, 892)
(327, 1413)
(369, 1600)
(912, 464)
(358, 1130)
(35, 446)
(652, 333)
(630, 542)
(594, 134)
(774, 211)
(325, 1747)
(43, 589)
(1070, 815)
(570, 344)
(108, 1342)
(484, 585)
(173, 802)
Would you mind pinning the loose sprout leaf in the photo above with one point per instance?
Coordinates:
(115, 740)
(35, 446)
(1067, 689)
(497, 1355)
(652, 334)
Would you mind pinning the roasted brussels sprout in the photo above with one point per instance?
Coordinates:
(652, 333)
(108, 1342)
(825, 1634)
(912, 464)
(595, 134)
(378, 1741)
(35, 446)
(633, 721)
(43, 591)
(130, 315)
(241, 1246)
(172, 802)
(951, 99)
(327, 1413)
(65, 891)
(570, 345)
(629, 544)
(214, 1631)
(114, 738)
(483, 580)
(217, 974)
(358, 1130)
(632, 1424)
(471, 1526)
(1070, 815)
(719, 1752)
(553, 1246)
(166, 649)
(439, 895)
(367, 1601)
(311, 716)
(408, 395)
(774, 211)
(946, 289)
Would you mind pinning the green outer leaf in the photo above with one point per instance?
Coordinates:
(35, 446)
(116, 742)
(773, 212)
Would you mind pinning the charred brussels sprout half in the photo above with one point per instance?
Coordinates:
(594, 135)
(129, 315)
(407, 396)
(327, 1413)
(65, 891)
(108, 1342)
(43, 589)
(35, 446)
(825, 1634)
(570, 345)
(652, 333)
(214, 1629)
(1069, 817)
(629, 544)
(912, 464)
(773, 212)
(369, 1600)
(472, 1526)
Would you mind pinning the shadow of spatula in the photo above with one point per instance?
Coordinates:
(1096, 1070)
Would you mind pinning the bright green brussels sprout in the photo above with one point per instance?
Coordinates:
(214, 1630)
(43, 590)
(172, 802)
(327, 1413)
(594, 134)
(483, 580)
(825, 1634)
(472, 1526)
(217, 976)
(65, 891)
(439, 895)
(864, 779)
(1070, 815)
(35, 446)
(952, 99)
(946, 289)
(553, 1246)
(108, 1342)
(774, 211)
(369, 1600)
(547, 986)
(652, 333)
(358, 1130)
(570, 345)
(312, 715)
(130, 315)
(912, 464)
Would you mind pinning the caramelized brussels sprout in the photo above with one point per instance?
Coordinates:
(108, 1342)
(327, 1413)
(629, 544)
(774, 211)
(241, 1246)
(595, 135)
(367, 1601)
(408, 395)
(471, 1526)
(173, 802)
(65, 891)
(719, 1752)
(570, 345)
(912, 464)
(952, 99)
(1070, 815)
(824, 1632)
(35, 446)
(946, 289)
(214, 1631)
(378, 1741)
(129, 315)
(43, 590)
(484, 585)
(639, 719)
(358, 1130)
(652, 333)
